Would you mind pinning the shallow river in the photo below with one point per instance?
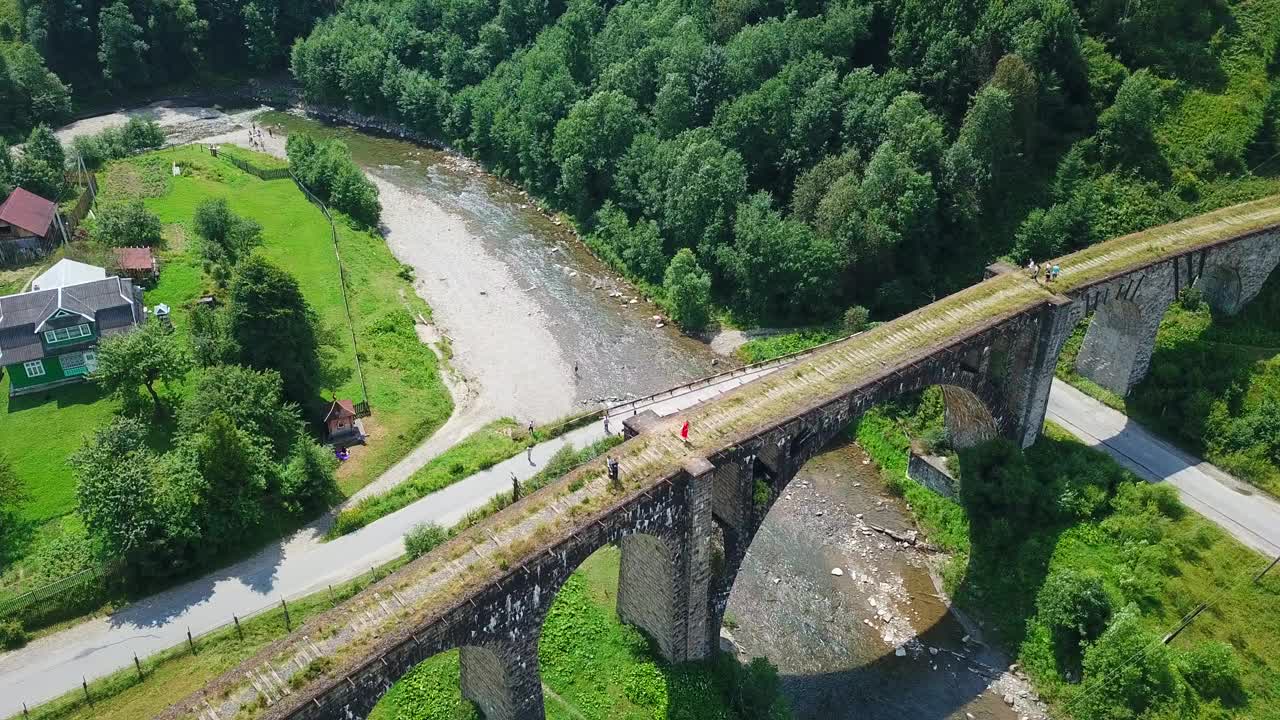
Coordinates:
(528, 308)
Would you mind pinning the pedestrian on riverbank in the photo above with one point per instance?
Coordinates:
(528, 454)
(1055, 272)
(1048, 272)
(606, 424)
(1033, 267)
(684, 432)
(530, 428)
(515, 487)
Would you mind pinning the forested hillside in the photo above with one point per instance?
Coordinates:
(814, 154)
(55, 51)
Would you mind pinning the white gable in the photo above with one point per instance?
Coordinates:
(65, 273)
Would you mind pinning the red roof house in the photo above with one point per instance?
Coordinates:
(138, 263)
(26, 214)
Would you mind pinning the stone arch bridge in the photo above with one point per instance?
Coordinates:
(685, 513)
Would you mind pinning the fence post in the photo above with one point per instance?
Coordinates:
(85, 684)
(139, 666)
(288, 625)
(191, 643)
(239, 632)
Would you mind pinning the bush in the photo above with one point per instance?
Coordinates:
(1191, 299)
(129, 225)
(1075, 608)
(688, 289)
(12, 634)
(1128, 671)
(118, 142)
(855, 318)
(1213, 670)
(326, 168)
(423, 538)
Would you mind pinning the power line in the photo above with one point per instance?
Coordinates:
(1093, 686)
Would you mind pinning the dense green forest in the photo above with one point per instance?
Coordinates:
(57, 53)
(817, 155)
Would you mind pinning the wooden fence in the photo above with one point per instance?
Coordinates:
(77, 214)
(260, 173)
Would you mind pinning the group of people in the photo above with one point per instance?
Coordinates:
(1049, 270)
(255, 137)
(611, 463)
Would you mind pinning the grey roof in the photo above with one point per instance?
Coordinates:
(113, 303)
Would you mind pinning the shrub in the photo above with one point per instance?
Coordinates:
(855, 318)
(688, 289)
(12, 634)
(326, 168)
(1075, 608)
(1213, 670)
(423, 538)
(129, 225)
(1127, 672)
(1191, 299)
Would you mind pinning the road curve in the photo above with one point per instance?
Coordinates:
(1240, 509)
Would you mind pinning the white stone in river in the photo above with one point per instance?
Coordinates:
(872, 601)
(900, 652)
(837, 572)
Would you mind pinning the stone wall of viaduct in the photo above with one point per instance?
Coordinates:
(684, 539)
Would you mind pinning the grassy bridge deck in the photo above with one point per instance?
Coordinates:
(449, 576)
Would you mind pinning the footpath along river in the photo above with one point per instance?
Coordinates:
(539, 327)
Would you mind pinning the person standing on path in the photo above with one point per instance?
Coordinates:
(528, 454)
(606, 424)
(615, 480)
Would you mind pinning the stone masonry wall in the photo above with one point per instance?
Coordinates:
(1128, 309)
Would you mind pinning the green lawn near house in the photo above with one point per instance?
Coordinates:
(40, 430)
(408, 397)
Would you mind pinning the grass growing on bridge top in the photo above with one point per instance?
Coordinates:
(1130, 251)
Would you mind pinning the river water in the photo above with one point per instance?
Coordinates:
(533, 315)
(836, 638)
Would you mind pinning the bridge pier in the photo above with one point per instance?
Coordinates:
(1117, 349)
(1032, 371)
(504, 681)
(662, 582)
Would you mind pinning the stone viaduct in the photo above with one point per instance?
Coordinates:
(686, 513)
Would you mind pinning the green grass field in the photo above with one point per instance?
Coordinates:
(408, 397)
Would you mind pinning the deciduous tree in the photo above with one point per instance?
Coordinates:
(141, 358)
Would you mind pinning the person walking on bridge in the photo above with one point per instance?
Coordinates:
(614, 478)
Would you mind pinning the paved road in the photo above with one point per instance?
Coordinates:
(1238, 508)
(288, 568)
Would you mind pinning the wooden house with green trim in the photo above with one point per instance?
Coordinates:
(49, 336)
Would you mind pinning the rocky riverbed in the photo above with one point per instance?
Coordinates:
(851, 616)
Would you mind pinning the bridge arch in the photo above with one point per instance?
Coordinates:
(1222, 289)
(1118, 345)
